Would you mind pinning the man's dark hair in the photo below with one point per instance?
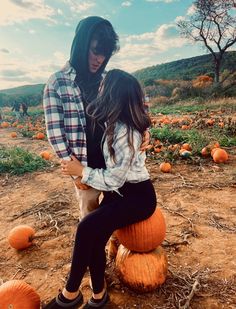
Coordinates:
(107, 40)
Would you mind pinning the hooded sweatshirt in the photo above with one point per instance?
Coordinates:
(88, 83)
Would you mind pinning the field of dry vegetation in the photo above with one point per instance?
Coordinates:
(197, 198)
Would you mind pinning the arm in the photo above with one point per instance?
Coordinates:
(54, 118)
(114, 176)
(145, 140)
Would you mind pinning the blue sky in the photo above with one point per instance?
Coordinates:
(36, 35)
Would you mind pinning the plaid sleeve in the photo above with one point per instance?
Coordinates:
(114, 176)
(54, 118)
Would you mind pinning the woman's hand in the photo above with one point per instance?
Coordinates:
(73, 167)
(146, 140)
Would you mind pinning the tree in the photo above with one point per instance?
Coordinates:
(213, 23)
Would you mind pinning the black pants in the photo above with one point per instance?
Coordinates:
(138, 202)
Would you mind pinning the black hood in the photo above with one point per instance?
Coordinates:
(87, 81)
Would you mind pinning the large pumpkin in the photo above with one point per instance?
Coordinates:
(17, 294)
(142, 272)
(21, 236)
(145, 235)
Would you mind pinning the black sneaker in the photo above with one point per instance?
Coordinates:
(56, 303)
(97, 303)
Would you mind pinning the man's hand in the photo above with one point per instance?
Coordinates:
(145, 141)
(80, 185)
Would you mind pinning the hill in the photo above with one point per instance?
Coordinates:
(185, 69)
(24, 90)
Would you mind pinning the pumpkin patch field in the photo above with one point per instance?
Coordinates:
(196, 192)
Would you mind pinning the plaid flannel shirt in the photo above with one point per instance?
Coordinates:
(64, 115)
(126, 167)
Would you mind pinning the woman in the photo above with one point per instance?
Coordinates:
(129, 196)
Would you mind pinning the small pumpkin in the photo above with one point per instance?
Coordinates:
(21, 236)
(19, 295)
(205, 152)
(213, 151)
(13, 134)
(40, 135)
(145, 235)
(220, 156)
(186, 146)
(5, 124)
(142, 272)
(165, 167)
(46, 155)
(185, 127)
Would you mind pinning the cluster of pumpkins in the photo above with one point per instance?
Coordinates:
(140, 260)
(17, 293)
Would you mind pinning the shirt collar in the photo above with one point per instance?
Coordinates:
(68, 69)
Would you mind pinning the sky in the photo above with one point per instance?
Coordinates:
(36, 35)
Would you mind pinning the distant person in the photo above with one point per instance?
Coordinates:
(1, 116)
(24, 109)
(129, 195)
(146, 103)
(16, 109)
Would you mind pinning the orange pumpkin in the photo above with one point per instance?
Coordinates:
(19, 295)
(173, 147)
(5, 124)
(205, 151)
(13, 134)
(142, 272)
(186, 146)
(185, 127)
(165, 167)
(145, 235)
(40, 135)
(46, 155)
(21, 236)
(220, 156)
(214, 144)
(158, 148)
(213, 150)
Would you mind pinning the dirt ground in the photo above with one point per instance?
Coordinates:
(199, 205)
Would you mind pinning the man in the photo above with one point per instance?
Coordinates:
(24, 109)
(67, 94)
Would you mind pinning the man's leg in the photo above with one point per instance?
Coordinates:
(88, 200)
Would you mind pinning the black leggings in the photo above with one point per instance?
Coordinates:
(138, 202)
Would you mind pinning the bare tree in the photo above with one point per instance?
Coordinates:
(213, 23)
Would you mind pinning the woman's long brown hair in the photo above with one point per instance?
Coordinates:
(121, 99)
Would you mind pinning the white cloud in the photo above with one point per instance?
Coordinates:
(179, 18)
(166, 1)
(167, 36)
(76, 7)
(126, 3)
(147, 49)
(140, 37)
(16, 11)
(59, 12)
(191, 10)
(32, 31)
(14, 71)
(59, 57)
